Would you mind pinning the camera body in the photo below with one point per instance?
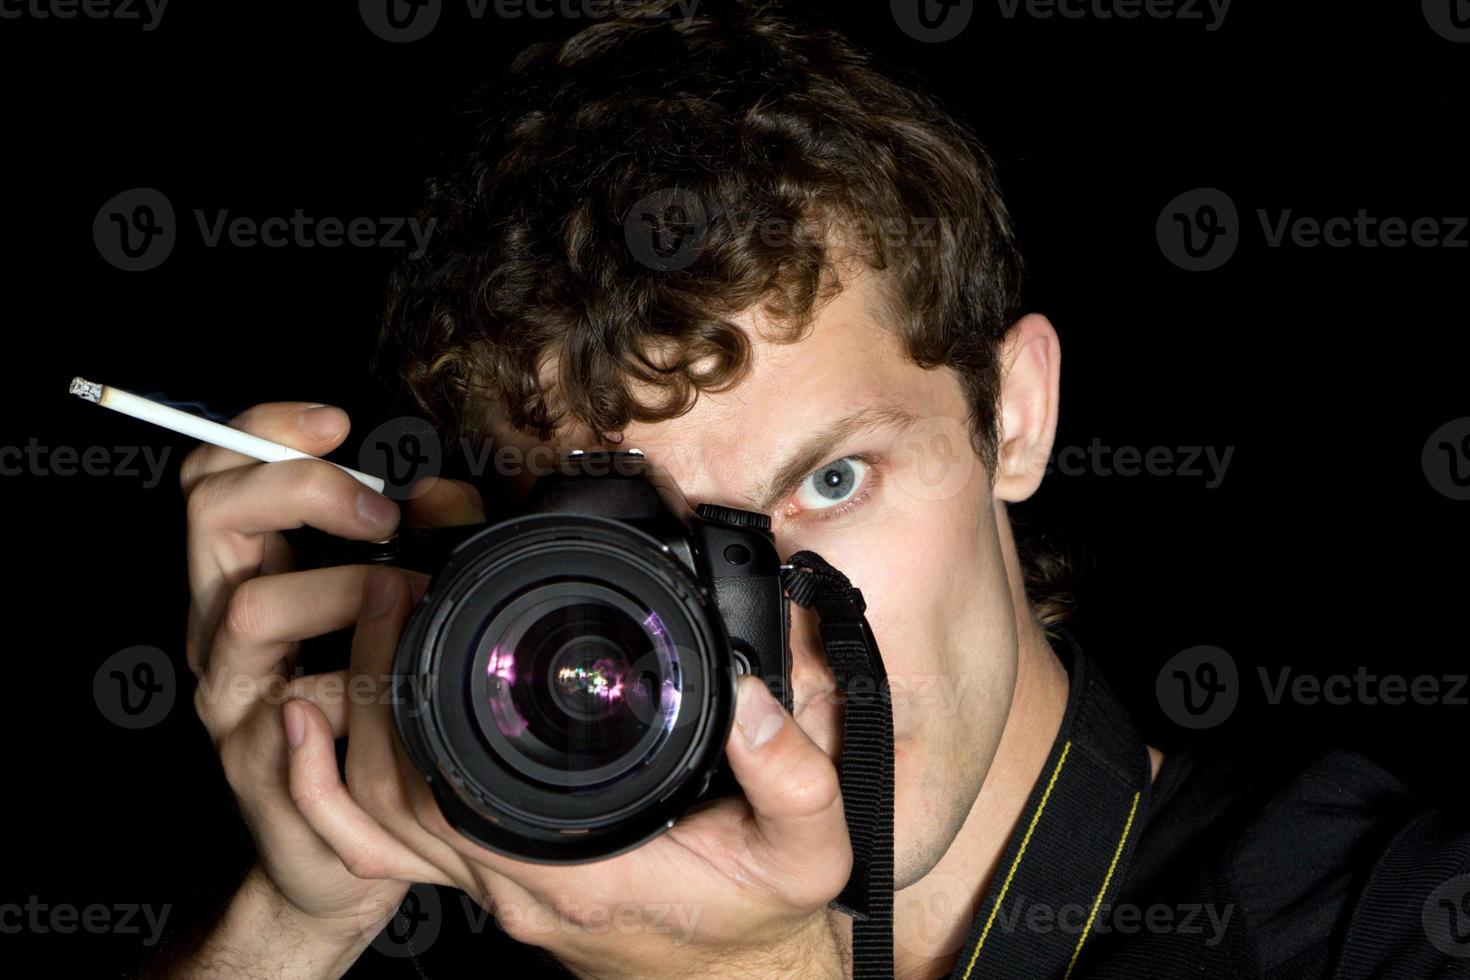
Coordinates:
(567, 682)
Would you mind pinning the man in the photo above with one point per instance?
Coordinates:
(791, 281)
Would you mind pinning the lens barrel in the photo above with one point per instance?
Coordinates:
(565, 686)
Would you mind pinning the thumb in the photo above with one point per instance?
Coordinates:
(791, 784)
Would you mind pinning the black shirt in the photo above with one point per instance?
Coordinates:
(1213, 871)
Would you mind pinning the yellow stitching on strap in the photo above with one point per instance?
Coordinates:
(1016, 863)
(1103, 890)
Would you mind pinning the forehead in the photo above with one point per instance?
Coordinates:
(726, 446)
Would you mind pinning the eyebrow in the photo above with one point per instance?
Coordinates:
(818, 449)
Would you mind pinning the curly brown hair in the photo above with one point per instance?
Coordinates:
(768, 144)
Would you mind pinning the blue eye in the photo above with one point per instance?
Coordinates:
(833, 484)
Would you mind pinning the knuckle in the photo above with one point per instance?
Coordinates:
(248, 610)
(811, 785)
(377, 793)
(364, 861)
(204, 709)
(512, 918)
(320, 487)
(190, 467)
(202, 502)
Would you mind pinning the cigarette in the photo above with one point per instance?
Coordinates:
(199, 428)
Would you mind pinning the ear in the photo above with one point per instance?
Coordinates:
(1031, 366)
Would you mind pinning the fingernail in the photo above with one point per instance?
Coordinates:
(382, 592)
(295, 724)
(376, 510)
(757, 714)
(323, 421)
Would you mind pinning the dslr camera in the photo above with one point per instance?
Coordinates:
(567, 682)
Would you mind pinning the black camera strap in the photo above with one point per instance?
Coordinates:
(866, 768)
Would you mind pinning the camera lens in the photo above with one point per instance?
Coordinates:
(580, 684)
(567, 687)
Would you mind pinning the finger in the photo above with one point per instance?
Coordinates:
(276, 496)
(307, 426)
(374, 775)
(328, 691)
(364, 847)
(437, 502)
(800, 836)
(263, 619)
(228, 512)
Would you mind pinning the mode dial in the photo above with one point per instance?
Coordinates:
(730, 515)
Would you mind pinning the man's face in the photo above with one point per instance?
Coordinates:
(902, 505)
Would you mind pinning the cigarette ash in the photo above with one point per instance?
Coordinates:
(89, 390)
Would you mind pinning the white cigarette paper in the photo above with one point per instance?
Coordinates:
(200, 428)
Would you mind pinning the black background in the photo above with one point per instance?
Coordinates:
(1326, 369)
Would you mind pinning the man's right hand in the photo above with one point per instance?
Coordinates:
(249, 611)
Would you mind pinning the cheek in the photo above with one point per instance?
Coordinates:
(922, 568)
